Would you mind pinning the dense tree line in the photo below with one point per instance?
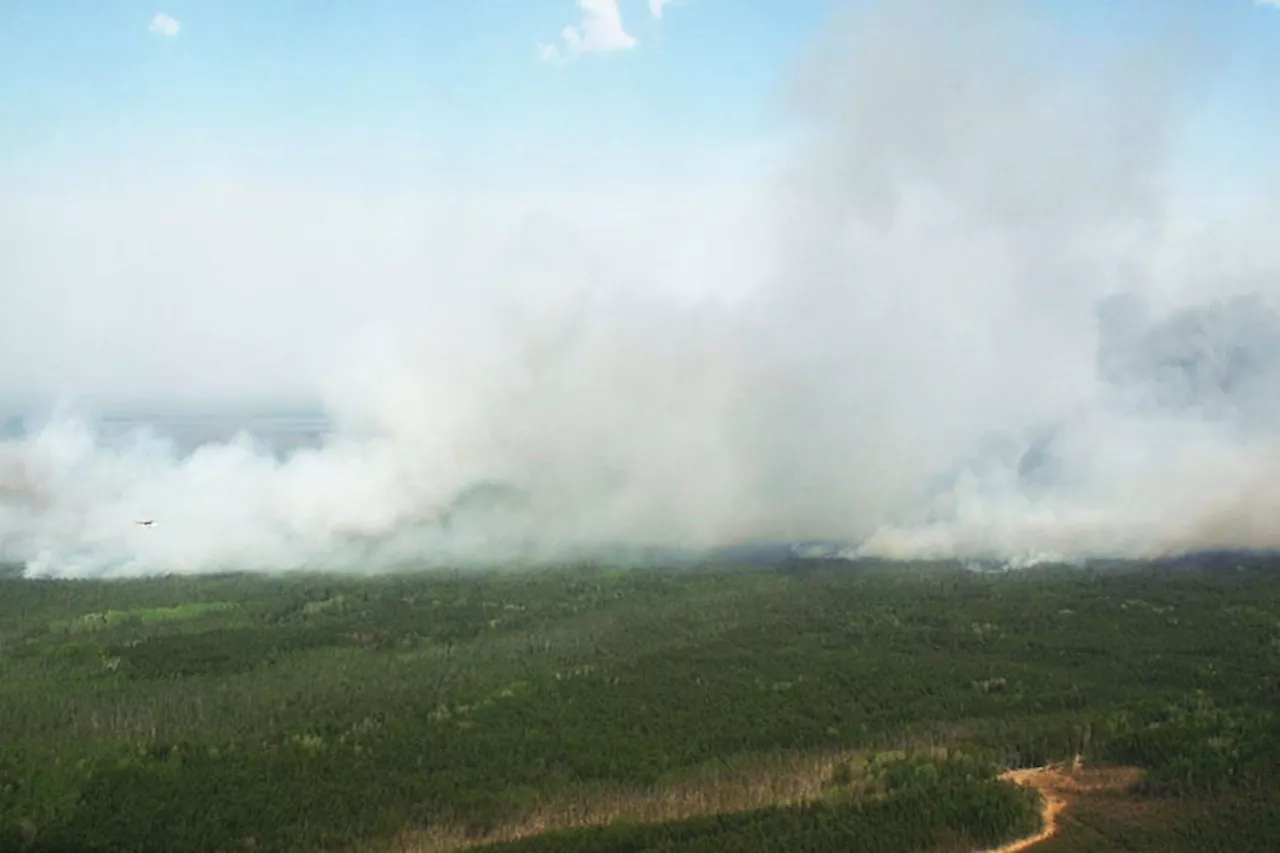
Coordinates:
(917, 817)
(312, 712)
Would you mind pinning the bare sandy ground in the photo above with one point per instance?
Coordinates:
(1057, 783)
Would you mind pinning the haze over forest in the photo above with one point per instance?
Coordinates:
(991, 285)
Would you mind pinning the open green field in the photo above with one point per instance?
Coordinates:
(833, 706)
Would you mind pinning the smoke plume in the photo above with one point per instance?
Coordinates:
(978, 313)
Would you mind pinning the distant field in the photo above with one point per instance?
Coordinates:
(831, 706)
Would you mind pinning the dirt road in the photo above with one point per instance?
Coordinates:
(1057, 783)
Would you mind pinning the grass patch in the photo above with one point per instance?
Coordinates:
(140, 616)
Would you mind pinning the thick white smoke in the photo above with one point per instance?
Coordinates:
(914, 351)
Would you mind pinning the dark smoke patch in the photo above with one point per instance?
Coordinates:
(1219, 360)
(1216, 362)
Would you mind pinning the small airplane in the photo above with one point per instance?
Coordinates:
(147, 523)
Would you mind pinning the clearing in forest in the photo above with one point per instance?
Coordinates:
(1057, 783)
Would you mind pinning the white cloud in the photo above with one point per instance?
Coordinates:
(1273, 3)
(165, 25)
(655, 6)
(600, 31)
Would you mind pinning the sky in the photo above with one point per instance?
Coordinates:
(687, 272)
(453, 91)
(445, 88)
(212, 126)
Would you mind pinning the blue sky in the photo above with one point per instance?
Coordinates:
(451, 88)
(86, 79)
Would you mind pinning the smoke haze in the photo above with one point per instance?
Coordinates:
(979, 312)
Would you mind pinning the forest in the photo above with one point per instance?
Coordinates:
(812, 705)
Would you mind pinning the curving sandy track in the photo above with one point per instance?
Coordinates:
(1056, 783)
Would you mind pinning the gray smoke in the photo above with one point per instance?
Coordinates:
(976, 315)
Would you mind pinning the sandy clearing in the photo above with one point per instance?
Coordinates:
(1056, 783)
